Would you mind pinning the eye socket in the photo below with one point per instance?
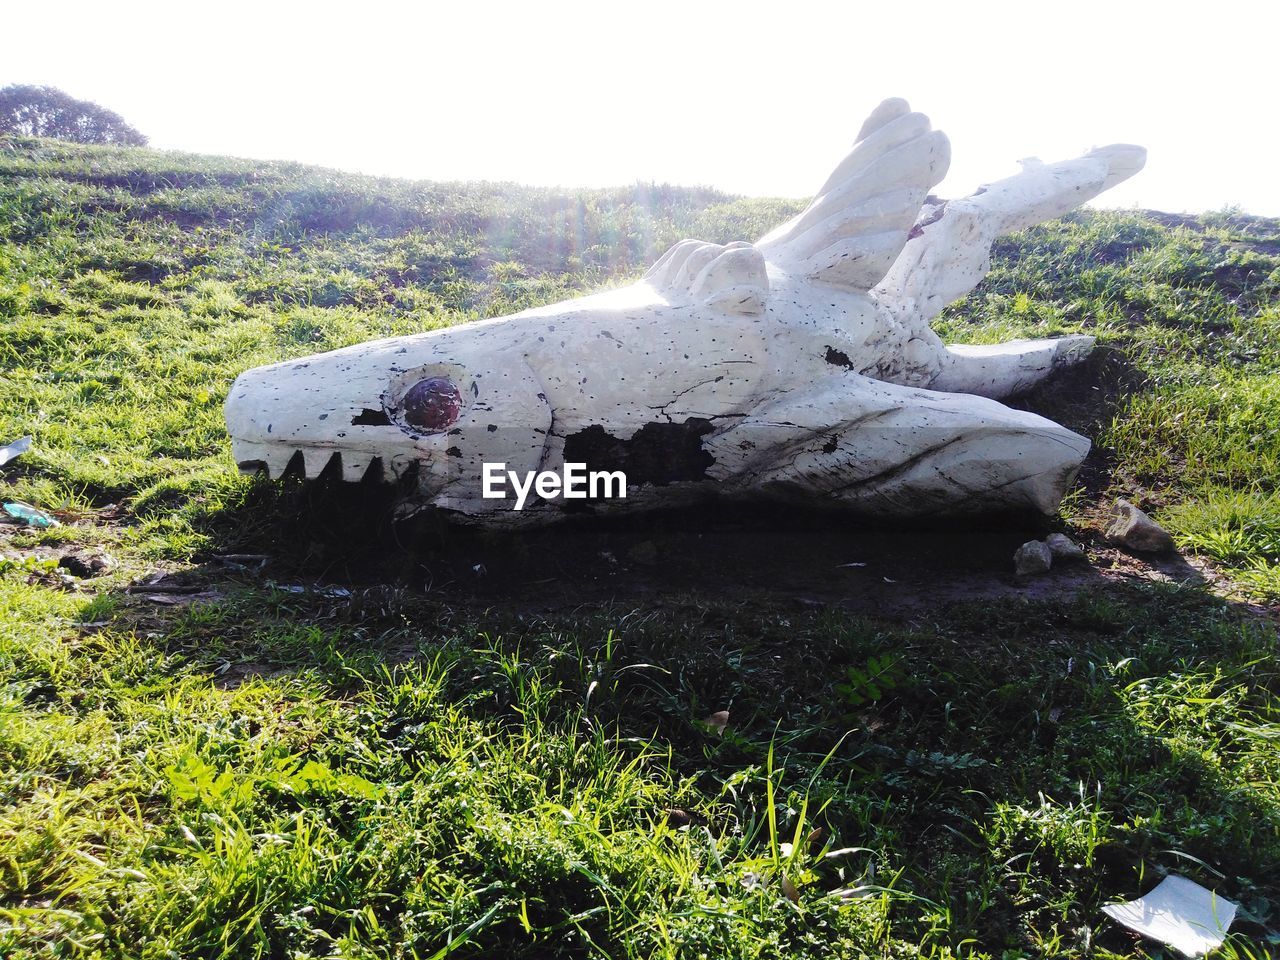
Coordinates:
(431, 404)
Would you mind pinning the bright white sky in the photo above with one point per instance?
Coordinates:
(754, 98)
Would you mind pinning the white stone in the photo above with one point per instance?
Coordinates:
(1063, 548)
(1031, 558)
(801, 367)
(1134, 530)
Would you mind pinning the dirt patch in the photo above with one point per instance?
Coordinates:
(1086, 397)
(339, 540)
(745, 552)
(1243, 223)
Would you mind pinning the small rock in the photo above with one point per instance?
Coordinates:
(1063, 548)
(645, 552)
(1032, 558)
(1134, 530)
(86, 565)
(677, 818)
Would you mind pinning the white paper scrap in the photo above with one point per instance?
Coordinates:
(1178, 912)
(15, 449)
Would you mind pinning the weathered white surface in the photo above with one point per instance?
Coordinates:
(800, 367)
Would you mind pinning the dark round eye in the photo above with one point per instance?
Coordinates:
(432, 404)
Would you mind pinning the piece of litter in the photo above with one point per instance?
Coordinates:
(30, 515)
(164, 599)
(850, 894)
(251, 562)
(840, 565)
(15, 449)
(1178, 912)
(178, 599)
(318, 591)
(718, 721)
(789, 890)
(144, 586)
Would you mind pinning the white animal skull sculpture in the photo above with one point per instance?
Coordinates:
(801, 367)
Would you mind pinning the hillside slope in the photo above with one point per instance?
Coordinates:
(131, 276)
(206, 752)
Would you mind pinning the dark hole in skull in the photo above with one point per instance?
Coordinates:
(431, 404)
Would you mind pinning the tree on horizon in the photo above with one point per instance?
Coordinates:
(34, 111)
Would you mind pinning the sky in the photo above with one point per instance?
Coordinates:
(761, 99)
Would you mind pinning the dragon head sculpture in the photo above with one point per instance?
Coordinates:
(800, 367)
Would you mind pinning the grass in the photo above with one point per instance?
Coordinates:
(265, 773)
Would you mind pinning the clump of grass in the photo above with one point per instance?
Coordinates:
(1239, 529)
(257, 780)
(1219, 428)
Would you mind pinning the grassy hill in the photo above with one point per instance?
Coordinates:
(257, 757)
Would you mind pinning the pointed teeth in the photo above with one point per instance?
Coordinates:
(278, 462)
(354, 466)
(396, 467)
(251, 458)
(254, 458)
(393, 467)
(314, 460)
